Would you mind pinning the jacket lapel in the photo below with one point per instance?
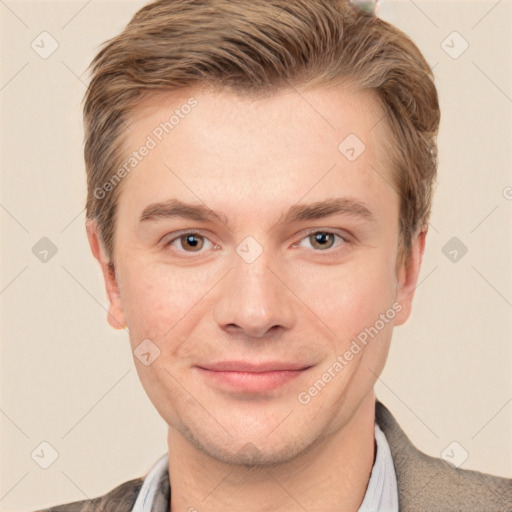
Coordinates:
(430, 484)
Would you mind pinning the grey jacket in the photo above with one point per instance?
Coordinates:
(425, 484)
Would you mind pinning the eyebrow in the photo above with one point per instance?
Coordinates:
(296, 213)
(177, 208)
(321, 209)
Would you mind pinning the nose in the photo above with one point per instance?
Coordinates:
(255, 299)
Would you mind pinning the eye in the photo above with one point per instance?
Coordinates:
(322, 240)
(189, 242)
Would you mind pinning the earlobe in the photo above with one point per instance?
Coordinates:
(115, 316)
(407, 277)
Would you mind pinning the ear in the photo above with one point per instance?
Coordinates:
(115, 316)
(407, 277)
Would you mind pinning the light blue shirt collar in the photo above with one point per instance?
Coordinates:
(382, 491)
(381, 494)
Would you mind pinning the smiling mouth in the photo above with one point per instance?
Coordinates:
(250, 377)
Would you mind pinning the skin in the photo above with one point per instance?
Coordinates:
(301, 301)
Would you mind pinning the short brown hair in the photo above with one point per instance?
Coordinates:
(261, 46)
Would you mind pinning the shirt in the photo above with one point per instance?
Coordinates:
(381, 493)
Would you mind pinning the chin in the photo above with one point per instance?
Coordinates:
(268, 452)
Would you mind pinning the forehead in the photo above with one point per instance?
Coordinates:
(338, 107)
(289, 144)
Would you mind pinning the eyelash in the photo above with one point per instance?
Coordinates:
(198, 234)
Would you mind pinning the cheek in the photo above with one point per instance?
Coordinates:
(161, 302)
(349, 297)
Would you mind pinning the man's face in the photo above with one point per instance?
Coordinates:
(251, 307)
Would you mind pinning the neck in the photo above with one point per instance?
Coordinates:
(331, 476)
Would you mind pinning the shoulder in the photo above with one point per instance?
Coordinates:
(430, 483)
(120, 499)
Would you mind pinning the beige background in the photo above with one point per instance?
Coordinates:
(69, 379)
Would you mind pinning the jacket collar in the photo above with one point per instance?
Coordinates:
(430, 483)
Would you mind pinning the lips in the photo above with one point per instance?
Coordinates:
(249, 377)
(247, 366)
